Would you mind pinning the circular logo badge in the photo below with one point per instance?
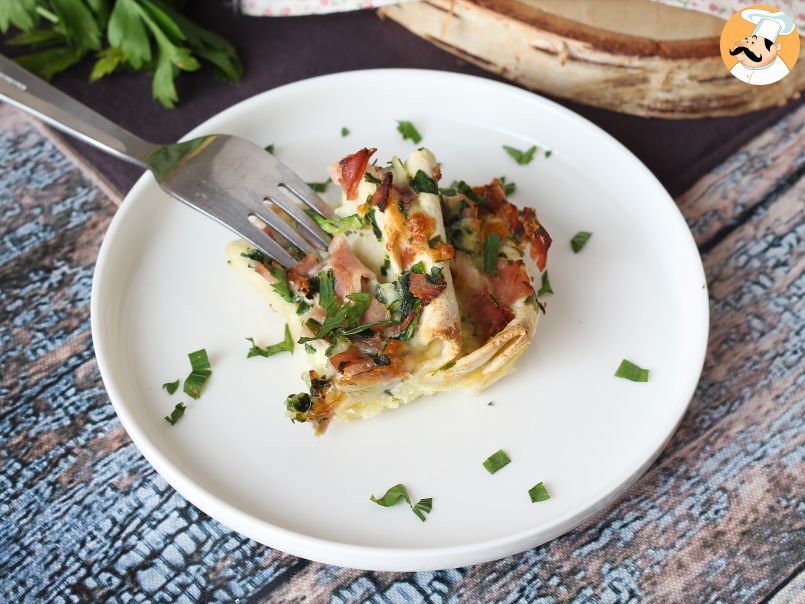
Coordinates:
(760, 45)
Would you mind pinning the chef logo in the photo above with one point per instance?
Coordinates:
(760, 45)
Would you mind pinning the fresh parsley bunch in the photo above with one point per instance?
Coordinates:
(150, 35)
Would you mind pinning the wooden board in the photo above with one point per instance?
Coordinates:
(590, 52)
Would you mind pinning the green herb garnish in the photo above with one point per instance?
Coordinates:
(398, 493)
(579, 240)
(302, 306)
(508, 187)
(630, 371)
(327, 290)
(538, 493)
(370, 215)
(422, 183)
(256, 255)
(297, 405)
(372, 179)
(496, 461)
(466, 191)
(491, 247)
(422, 508)
(285, 346)
(282, 287)
(490, 404)
(344, 131)
(548, 153)
(347, 223)
(199, 374)
(408, 131)
(178, 412)
(319, 187)
(270, 148)
(434, 242)
(545, 288)
(521, 157)
(384, 268)
(171, 386)
(309, 348)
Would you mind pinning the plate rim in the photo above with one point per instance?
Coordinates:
(350, 554)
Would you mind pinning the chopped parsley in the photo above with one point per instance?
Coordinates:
(372, 179)
(579, 240)
(630, 371)
(347, 223)
(297, 405)
(302, 306)
(270, 148)
(409, 131)
(319, 187)
(199, 374)
(538, 493)
(545, 288)
(521, 157)
(384, 268)
(434, 242)
(344, 132)
(171, 386)
(398, 493)
(282, 287)
(422, 508)
(491, 247)
(498, 460)
(176, 414)
(490, 404)
(466, 191)
(327, 290)
(256, 255)
(508, 187)
(422, 183)
(370, 216)
(548, 153)
(309, 348)
(285, 346)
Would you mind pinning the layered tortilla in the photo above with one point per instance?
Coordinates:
(402, 304)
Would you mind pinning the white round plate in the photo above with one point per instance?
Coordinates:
(162, 288)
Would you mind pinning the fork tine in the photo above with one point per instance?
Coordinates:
(263, 242)
(301, 190)
(290, 207)
(272, 219)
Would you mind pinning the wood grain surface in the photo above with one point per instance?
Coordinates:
(720, 517)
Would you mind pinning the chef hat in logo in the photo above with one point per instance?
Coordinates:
(769, 25)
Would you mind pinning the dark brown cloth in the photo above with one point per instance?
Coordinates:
(276, 51)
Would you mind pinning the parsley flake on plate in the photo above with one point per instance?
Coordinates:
(171, 386)
(630, 371)
(498, 460)
(200, 373)
(538, 493)
(408, 131)
(422, 183)
(545, 288)
(508, 187)
(579, 240)
(523, 158)
(398, 493)
(344, 132)
(178, 412)
(270, 148)
(285, 346)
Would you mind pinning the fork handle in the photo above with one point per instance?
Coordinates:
(26, 91)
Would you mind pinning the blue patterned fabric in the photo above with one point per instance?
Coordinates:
(84, 518)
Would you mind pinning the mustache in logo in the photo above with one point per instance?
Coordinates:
(752, 56)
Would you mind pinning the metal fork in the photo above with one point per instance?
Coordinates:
(228, 178)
